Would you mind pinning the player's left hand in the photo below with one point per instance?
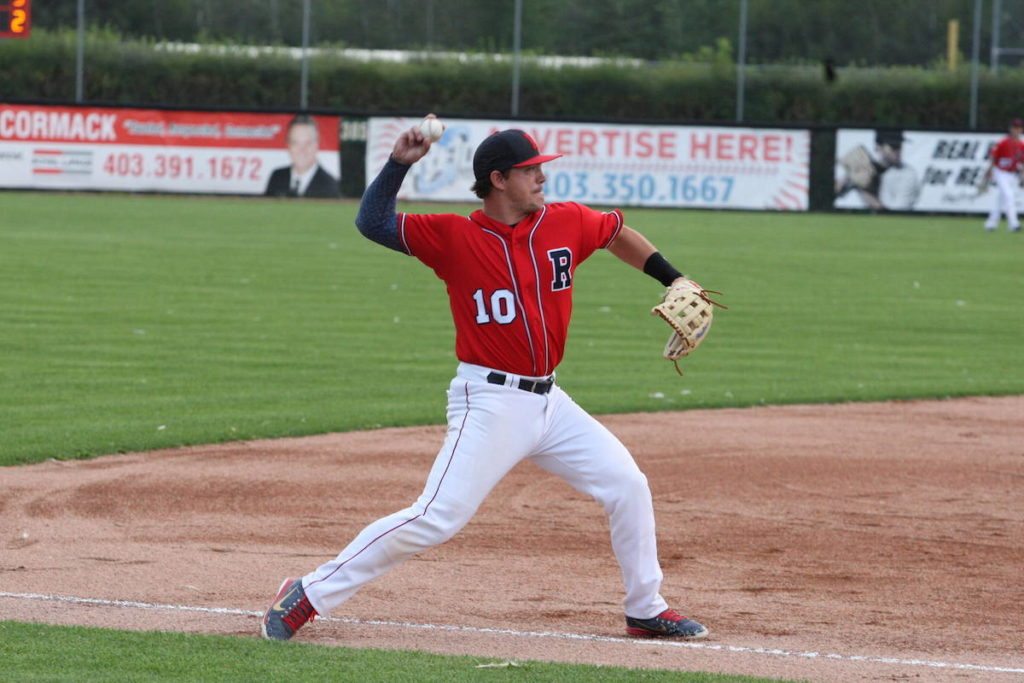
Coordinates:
(688, 310)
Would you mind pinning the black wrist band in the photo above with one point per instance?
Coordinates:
(661, 270)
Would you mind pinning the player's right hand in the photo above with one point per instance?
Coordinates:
(410, 147)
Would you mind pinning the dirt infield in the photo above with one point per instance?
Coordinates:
(833, 543)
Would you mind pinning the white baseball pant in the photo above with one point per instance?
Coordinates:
(490, 429)
(1005, 201)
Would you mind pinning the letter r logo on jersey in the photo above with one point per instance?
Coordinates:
(561, 265)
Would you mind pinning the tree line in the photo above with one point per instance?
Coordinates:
(867, 32)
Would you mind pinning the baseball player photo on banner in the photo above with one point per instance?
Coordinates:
(621, 165)
(889, 169)
(150, 150)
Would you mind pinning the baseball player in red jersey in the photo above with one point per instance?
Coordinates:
(1005, 166)
(509, 271)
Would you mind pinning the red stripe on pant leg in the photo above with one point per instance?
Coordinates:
(427, 507)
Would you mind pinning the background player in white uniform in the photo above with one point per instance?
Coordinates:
(508, 270)
(1005, 167)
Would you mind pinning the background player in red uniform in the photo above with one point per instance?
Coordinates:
(1005, 166)
(508, 268)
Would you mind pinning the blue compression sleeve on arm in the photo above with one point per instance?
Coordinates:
(377, 219)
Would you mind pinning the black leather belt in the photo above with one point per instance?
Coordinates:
(541, 387)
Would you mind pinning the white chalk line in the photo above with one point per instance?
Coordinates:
(530, 634)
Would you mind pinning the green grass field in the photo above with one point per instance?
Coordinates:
(135, 323)
(90, 654)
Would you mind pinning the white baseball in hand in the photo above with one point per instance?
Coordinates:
(432, 129)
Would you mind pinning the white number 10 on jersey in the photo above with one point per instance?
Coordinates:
(502, 307)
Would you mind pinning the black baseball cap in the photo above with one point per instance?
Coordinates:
(892, 137)
(505, 150)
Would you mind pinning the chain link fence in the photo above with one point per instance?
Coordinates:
(952, 66)
(739, 36)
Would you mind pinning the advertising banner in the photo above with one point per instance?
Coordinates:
(897, 170)
(93, 148)
(620, 165)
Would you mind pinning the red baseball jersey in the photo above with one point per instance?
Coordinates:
(1008, 154)
(510, 288)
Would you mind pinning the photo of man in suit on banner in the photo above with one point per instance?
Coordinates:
(304, 176)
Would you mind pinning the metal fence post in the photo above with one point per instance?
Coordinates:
(997, 11)
(517, 47)
(975, 48)
(80, 54)
(741, 62)
(304, 86)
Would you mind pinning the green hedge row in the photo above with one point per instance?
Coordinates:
(142, 73)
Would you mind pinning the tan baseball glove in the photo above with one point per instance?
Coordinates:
(688, 310)
(860, 171)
